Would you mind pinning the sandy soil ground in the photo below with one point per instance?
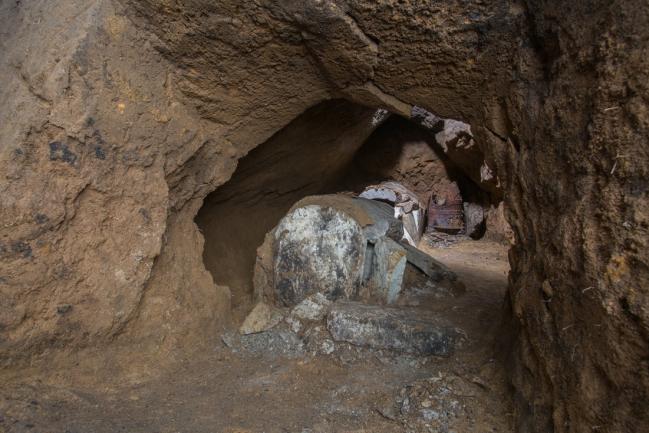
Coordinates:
(227, 391)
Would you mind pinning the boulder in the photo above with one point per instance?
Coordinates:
(403, 329)
(317, 249)
(320, 247)
(262, 318)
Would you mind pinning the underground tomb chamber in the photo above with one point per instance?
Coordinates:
(335, 147)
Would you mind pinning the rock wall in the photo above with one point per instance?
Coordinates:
(118, 118)
(577, 164)
(402, 151)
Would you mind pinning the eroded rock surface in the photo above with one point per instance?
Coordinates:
(132, 112)
(318, 249)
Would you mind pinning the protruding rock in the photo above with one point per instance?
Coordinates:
(274, 342)
(404, 330)
(262, 318)
(428, 265)
(456, 140)
(386, 270)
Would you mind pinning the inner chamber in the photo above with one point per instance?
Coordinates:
(335, 146)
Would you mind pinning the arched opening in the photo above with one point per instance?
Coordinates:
(335, 146)
(306, 157)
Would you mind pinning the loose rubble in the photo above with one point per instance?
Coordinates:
(327, 275)
(262, 318)
(312, 308)
(442, 403)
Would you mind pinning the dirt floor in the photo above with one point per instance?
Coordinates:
(230, 390)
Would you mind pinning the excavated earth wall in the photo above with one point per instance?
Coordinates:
(119, 117)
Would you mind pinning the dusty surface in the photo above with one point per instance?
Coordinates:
(226, 391)
(578, 198)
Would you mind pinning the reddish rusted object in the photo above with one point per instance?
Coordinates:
(445, 211)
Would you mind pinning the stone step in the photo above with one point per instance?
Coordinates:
(400, 329)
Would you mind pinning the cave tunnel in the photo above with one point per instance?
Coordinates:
(334, 147)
